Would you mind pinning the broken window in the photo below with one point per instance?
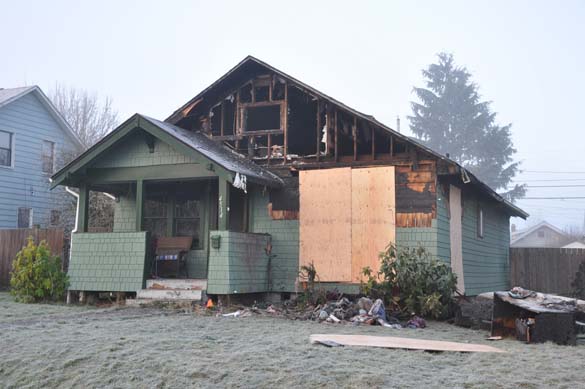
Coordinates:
(265, 117)
(278, 89)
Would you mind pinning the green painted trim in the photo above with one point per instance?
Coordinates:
(156, 172)
(83, 212)
(223, 205)
(139, 204)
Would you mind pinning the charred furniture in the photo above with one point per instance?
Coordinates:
(170, 249)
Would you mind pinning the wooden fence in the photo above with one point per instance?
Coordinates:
(547, 270)
(11, 241)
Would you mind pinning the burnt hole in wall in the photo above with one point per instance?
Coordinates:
(399, 147)
(302, 123)
(323, 129)
(215, 115)
(229, 116)
(364, 139)
(277, 146)
(246, 93)
(261, 93)
(344, 133)
(382, 143)
(278, 90)
(263, 118)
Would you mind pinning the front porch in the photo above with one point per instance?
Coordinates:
(164, 189)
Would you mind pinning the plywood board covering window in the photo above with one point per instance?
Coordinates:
(347, 216)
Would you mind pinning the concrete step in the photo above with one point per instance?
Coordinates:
(169, 294)
(171, 283)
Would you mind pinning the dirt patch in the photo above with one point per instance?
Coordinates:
(63, 346)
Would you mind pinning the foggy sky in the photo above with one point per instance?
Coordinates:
(151, 57)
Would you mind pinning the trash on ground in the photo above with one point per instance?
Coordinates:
(402, 343)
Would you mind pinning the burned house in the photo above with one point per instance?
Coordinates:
(267, 174)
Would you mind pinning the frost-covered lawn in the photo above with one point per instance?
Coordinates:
(60, 346)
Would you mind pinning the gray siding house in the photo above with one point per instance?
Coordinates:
(34, 139)
(542, 234)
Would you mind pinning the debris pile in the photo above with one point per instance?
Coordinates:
(363, 311)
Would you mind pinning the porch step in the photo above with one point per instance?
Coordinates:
(171, 283)
(169, 294)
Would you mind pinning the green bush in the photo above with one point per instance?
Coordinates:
(37, 275)
(412, 281)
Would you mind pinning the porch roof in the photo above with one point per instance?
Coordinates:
(220, 159)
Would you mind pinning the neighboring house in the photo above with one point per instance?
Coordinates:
(542, 234)
(575, 245)
(33, 138)
(267, 174)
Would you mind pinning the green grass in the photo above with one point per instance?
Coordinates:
(61, 346)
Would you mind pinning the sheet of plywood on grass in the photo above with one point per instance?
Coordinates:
(325, 222)
(372, 213)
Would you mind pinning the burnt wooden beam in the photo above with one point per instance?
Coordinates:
(222, 113)
(391, 146)
(336, 146)
(284, 121)
(269, 143)
(354, 135)
(373, 144)
(318, 129)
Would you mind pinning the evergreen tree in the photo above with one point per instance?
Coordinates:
(451, 118)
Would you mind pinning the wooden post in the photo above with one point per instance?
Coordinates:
(83, 211)
(223, 205)
(139, 203)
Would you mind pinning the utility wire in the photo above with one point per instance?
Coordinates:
(553, 198)
(555, 186)
(551, 172)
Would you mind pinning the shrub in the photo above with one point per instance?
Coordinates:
(411, 280)
(37, 275)
(313, 293)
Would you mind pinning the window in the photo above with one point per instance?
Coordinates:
(55, 217)
(155, 216)
(480, 222)
(187, 220)
(25, 217)
(6, 149)
(48, 156)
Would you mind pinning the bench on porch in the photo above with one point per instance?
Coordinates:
(173, 248)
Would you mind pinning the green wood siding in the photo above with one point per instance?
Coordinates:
(109, 262)
(485, 260)
(285, 241)
(134, 151)
(239, 265)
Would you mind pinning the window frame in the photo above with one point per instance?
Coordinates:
(480, 222)
(30, 217)
(11, 150)
(53, 147)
